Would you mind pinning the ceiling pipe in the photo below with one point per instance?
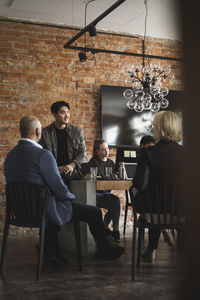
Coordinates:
(97, 50)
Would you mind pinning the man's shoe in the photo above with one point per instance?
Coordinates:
(149, 256)
(109, 253)
(115, 252)
(116, 236)
(57, 260)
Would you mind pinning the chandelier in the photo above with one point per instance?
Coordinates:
(147, 92)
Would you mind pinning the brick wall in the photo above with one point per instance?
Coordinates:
(36, 70)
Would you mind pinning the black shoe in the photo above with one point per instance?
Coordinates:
(109, 253)
(55, 257)
(56, 260)
(116, 236)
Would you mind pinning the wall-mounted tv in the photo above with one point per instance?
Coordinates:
(122, 126)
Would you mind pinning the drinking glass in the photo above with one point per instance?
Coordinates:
(108, 171)
(93, 173)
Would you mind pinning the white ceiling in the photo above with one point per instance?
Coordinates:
(129, 17)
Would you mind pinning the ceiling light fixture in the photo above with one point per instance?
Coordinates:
(68, 45)
(147, 92)
(82, 56)
(92, 32)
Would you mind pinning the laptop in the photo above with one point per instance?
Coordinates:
(130, 170)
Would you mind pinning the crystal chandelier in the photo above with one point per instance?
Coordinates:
(147, 92)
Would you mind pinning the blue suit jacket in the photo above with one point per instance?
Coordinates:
(29, 163)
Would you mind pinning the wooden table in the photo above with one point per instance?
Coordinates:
(113, 184)
(123, 185)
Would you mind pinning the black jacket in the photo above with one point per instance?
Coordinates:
(76, 142)
(160, 163)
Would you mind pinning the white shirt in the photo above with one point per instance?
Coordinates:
(31, 141)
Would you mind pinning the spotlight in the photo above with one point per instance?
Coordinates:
(82, 56)
(92, 31)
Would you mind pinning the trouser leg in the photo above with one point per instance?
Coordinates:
(107, 219)
(154, 236)
(115, 212)
(51, 239)
(103, 203)
(112, 204)
(93, 216)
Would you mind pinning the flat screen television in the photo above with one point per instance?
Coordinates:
(122, 126)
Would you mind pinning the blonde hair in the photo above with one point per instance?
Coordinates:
(167, 125)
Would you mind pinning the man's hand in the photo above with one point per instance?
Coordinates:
(67, 169)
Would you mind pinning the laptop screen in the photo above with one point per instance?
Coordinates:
(130, 170)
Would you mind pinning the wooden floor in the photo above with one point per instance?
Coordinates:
(98, 280)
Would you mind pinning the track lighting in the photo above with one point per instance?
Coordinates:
(92, 31)
(82, 56)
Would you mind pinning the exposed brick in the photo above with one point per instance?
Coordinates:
(36, 70)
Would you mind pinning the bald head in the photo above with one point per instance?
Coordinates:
(30, 127)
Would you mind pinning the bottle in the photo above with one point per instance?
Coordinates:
(122, 171)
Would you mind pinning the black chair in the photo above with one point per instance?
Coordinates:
(127, 205)
(159, 206)
(26, 205)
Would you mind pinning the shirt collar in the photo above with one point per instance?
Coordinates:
(31, 141)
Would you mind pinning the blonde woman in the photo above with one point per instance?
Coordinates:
(162, 162)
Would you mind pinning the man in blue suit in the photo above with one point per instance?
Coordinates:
(29, 162)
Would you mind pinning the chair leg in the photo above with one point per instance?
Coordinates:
(143, 233)
(4, 243)
(140, 240)
(41, 249)
(78, 243)
(126, 211)
(133, 269)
